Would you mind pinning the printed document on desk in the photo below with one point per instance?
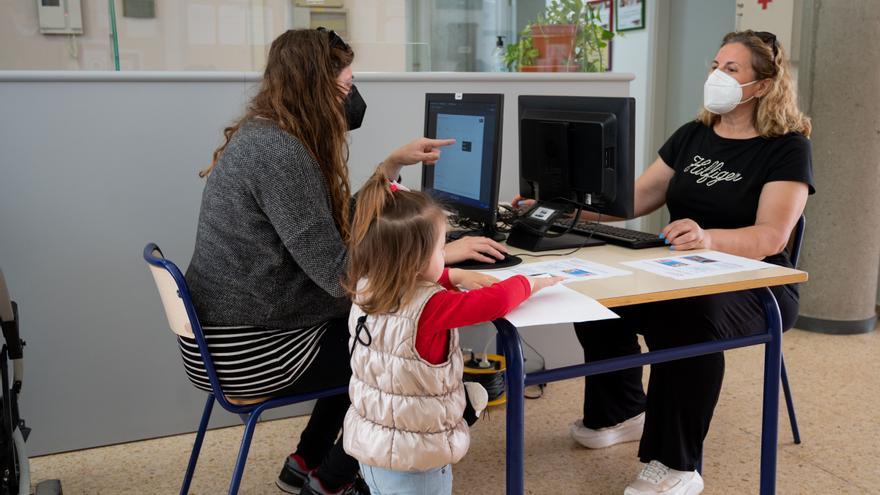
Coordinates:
(558, 304)
(570, 269)
(699, 265)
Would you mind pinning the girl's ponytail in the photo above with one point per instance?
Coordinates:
(371, 200)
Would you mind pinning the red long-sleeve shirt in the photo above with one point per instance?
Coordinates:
(453, 309)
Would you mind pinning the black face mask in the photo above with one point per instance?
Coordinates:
(355, 108)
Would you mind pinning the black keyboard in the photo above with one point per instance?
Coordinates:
(632, 239)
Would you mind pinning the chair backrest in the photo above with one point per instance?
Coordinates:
(797, 240)
(180, 311)
(169, 290)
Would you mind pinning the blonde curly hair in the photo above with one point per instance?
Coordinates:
(776, 113)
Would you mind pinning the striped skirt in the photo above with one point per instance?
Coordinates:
(250, 361)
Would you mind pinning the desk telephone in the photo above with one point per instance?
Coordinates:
(532, 230)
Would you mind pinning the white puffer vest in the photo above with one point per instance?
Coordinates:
(405, 414)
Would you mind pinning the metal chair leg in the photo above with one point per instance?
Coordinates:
(789, 404)
(249, 427)
(197, 445)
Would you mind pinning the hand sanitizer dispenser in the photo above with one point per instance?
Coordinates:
(498, 64)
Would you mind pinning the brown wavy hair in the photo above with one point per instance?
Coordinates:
(393, 236)
(776, 113)
(300, 94)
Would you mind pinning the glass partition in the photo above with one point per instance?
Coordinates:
(234, 35)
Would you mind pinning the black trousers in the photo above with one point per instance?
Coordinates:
(320, 443)
(681, 394)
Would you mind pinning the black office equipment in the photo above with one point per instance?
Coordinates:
(535, 230)
(466, 178)
(632, 239)
(574, 150)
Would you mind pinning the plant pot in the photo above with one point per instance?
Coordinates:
(554, 42)
(550, 68)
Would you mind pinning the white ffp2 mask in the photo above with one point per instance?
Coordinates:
(722, 93)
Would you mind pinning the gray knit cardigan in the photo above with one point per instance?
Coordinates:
(267, 251)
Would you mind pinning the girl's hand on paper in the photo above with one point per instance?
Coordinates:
(539, 283)
(469, 279)
(686, 234)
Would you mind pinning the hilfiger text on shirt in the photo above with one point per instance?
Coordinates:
(710, 172)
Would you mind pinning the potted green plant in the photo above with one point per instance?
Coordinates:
(568, 36)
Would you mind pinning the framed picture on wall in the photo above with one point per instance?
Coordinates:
(630, 14)
(605, 10)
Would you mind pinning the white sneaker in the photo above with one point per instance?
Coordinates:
(628, 431)
(657, 478)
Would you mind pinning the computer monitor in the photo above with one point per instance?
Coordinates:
(579, 148)
(466, 177)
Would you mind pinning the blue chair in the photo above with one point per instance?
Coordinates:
(797, 240)
(183, 321)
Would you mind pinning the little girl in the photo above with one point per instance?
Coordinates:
(405, 425)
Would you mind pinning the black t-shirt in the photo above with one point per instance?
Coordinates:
(718, 181)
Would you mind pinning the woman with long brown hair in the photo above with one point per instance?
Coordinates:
(736, 179)
(271, 248)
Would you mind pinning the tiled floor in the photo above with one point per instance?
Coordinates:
(837, 395)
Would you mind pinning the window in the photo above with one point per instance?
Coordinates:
(234, 35)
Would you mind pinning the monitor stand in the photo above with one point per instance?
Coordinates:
(531, 242)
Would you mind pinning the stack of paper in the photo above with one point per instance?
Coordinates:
(704, 264)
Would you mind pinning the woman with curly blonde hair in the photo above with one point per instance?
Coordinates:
(736, 179)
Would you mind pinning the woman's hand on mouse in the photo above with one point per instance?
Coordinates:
(481, 249)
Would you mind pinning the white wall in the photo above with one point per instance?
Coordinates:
(184, 35)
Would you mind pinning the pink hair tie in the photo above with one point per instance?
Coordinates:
(394, 186)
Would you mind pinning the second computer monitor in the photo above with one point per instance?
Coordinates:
(580, 148)
(466, 177)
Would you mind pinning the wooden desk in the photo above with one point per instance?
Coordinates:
(643, 287)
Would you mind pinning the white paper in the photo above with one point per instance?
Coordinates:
(698, 265)
(558, 304)
(570, 269)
